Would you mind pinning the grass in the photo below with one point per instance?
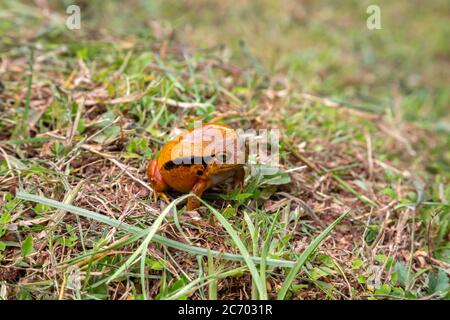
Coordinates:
(364, 128)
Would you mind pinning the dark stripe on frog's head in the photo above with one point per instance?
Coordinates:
(187, 162)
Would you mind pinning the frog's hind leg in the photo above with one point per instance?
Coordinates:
(198, 189)
(238, 179)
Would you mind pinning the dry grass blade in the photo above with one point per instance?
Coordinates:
(142, 250)
(245, 254)
(304, 256)
(156, 238)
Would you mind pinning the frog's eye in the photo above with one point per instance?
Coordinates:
(199, 172)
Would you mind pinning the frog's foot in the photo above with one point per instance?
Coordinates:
(238, 179)
(162, 195)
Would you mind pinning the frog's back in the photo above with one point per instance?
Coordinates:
(183, 160)
(197, 145)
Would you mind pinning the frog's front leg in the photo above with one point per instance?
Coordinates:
(239, 177)
(198, 189)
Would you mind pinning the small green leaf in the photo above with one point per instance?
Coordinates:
(108, 135)
(394, 278)
(177, 285)
(229, 212)
(389, 192)
(27, 246)
(398, 292)
(40, 208)
(327, 260)
(410, 295)
(5, 218)
(2, 246)
(298, 287)
(385, 289)
(403, 274)
(58, 148)
(380, 258)
(361, 279)
(357, 264)
(3, 167)
(319, 272)
(243, 196)
(438, 283)
(277, 179)
(154, 132)
(154, 264)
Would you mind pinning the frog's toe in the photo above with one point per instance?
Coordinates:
(161, 195)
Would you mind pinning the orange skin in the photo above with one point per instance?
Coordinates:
(196, 161)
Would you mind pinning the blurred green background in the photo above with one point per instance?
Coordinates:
(323, 47)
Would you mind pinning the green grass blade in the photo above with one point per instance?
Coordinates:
(29, 92)
(201, 281)
(212, 286)
(136, 230)
(142, 250)
(254, 237)
(265, 250)
(347, 187)
(245, 254)
(304, 256)
(26, 141)
(178, 226)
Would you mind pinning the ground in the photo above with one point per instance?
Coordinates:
(364, 135)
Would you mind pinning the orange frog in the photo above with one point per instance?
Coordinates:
(198, 160)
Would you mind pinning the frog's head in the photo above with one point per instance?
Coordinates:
(155, 177)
